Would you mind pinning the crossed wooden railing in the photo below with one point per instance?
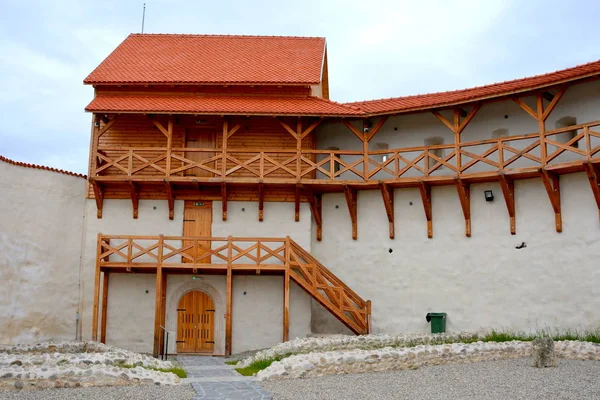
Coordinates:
(499, 155)
(126, 253)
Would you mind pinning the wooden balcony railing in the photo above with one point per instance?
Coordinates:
(148, 254)
(466, 159)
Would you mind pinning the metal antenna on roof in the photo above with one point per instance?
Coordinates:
(143, 17)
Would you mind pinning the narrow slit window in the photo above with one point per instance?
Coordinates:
(435, 141)
(565, 137)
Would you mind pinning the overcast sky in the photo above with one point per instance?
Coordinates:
(376, 49)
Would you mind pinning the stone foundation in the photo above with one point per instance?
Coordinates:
(83, 364)
(389, 359)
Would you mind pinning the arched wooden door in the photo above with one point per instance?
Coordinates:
(195, 323)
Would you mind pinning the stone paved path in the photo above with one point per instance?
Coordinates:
(212, 379)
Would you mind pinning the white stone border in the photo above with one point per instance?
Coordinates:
(346, 342)
(390, 359)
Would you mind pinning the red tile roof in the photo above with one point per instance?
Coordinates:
(26, 165)
(206, 59)
(202, 104)
(434, 100)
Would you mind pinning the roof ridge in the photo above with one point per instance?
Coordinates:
(208, 35)
(456, 91)
(42, 167)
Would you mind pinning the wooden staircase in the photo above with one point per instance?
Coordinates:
(329, 290)
(164, 255)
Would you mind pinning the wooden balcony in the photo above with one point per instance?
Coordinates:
(517, 156)
(162, 255)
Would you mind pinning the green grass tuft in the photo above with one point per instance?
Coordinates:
(259, 365)
(231, 362)
(180, 372)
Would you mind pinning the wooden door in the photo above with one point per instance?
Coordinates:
(197, 221)
(200, 138)
(195, 323)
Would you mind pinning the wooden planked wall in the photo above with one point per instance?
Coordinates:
(258, 133)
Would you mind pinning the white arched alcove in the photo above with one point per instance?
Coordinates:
(171, 310)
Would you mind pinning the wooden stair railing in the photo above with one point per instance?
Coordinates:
(329, 290)
(127, 253)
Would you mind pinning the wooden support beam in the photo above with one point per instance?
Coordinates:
(224, 201)
(360, 135)
(464, 195)
(297, 203)
(541, 128)
(169, 145)
(163, 314)
(170, 199)
(377, 127)
(261, 201)
(508, 190)
(106, 127)
(553, 103)
(387, 193)
(593, 173)
(351, 200)
(315, 201)
(98, 196)
(96, 289)
(157, 310)
(229, 299)
(286, 304)
(425, 191)
(552, 185)
(105, 276)
(135, 198)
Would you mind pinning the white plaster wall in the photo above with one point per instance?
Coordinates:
(581, 101)
(127, 297)
(257, 315)
(482, 281)
(41, 216)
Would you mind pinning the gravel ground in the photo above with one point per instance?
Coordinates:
(508, 379)
(138, 392)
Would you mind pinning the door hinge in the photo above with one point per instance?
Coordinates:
(209, 342)
(209, 310)
(189, 220)
(181, 309)
(180, 341)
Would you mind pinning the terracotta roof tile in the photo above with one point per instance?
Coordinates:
(186, 59)
(201, 104)
(433, 100)
(26, 165)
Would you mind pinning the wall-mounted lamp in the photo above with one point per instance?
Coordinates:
(367, 126)
(96, 123)
(489, 195)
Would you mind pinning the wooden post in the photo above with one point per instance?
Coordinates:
(96, 289)
(351, 200)
(541, 128)
(387, 193)
(163, 314)
(104, 307)
(169, 145)
(286, 292)
(368, 316)
(158, 299)
(299, 150)
(508, 190)
(464, 195)
(224, 149)
(425, 190)
(552, 186)
(593, 174)
(229, 305)
(365, 141)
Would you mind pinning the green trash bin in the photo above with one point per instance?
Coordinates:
(438, 322)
